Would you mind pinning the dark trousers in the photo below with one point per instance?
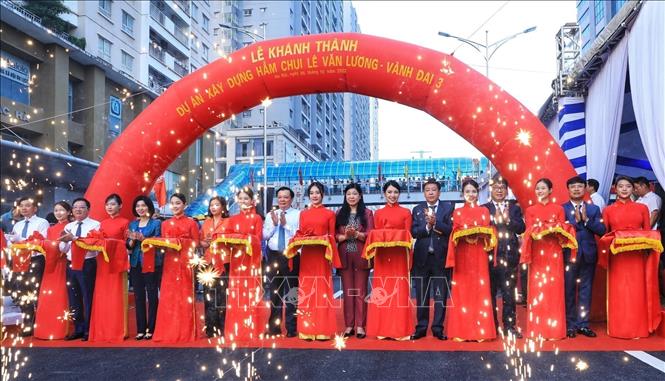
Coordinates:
(433, 279)
(578, 294)
(524, 284)
(145, 285)
(214, 300)
(28, 290)
(80, 290)
(503, 280)
(283, 285)
(354, 285)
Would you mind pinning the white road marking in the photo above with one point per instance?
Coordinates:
(648, 359)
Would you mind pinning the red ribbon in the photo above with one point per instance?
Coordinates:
(22, 257)
(112, 249)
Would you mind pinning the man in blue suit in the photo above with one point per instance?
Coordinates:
(507, 217)
(431, 228)
(586, 219)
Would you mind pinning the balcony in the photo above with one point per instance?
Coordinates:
(171, 28)
(175, 65)
(183, 5)
(180, 68)
(317, 144)
(156, 85)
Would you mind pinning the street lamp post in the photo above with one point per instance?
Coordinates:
(265, 103)
(489, 49)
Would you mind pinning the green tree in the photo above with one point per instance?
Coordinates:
(50, 11)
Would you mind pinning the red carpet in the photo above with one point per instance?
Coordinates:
(580, 343)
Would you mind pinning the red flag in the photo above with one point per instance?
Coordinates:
(300, 176)
(160, 191)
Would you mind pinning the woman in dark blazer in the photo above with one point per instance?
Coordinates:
(352, 224)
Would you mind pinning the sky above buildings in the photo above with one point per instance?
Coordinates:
(524, 67)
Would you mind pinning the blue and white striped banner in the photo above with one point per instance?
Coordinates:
(572, 132)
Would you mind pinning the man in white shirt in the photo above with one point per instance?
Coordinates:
(280, 226)
(81, 282)
(592, 186)
(648, 198)
(27, 283)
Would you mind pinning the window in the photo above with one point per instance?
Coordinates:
(70, 100)
(105, 8)
(269, 148)
(104, 48)
(192, 68)
(263, 9)
(127, 61)
(195, 43)
(598, 11)
(198, 145)
(243, 149)
(205, 51)
(247, 12)
(195, 13)
(14, 78)
(247, 113)
(127, 23)
(206, 24)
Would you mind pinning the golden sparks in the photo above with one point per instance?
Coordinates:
(339, 342)
(524, 137)
(207, 276)
(581, 365)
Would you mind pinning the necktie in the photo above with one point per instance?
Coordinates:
(281, 238)
(24, 232)
(78, 229)
(578, 212)
(431, 239)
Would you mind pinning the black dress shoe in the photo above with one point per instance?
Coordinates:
(74, 336)
(586, 332)
(291, 334)
(571, 333)
(440, 336)
(85, 338)
(350, 333)
(418, 335)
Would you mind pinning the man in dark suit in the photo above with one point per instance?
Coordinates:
(507, 217)
(586, 219)
(431, 228)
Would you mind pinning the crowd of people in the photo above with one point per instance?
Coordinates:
(458, 261)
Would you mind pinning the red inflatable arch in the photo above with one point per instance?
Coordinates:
(478, 110)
